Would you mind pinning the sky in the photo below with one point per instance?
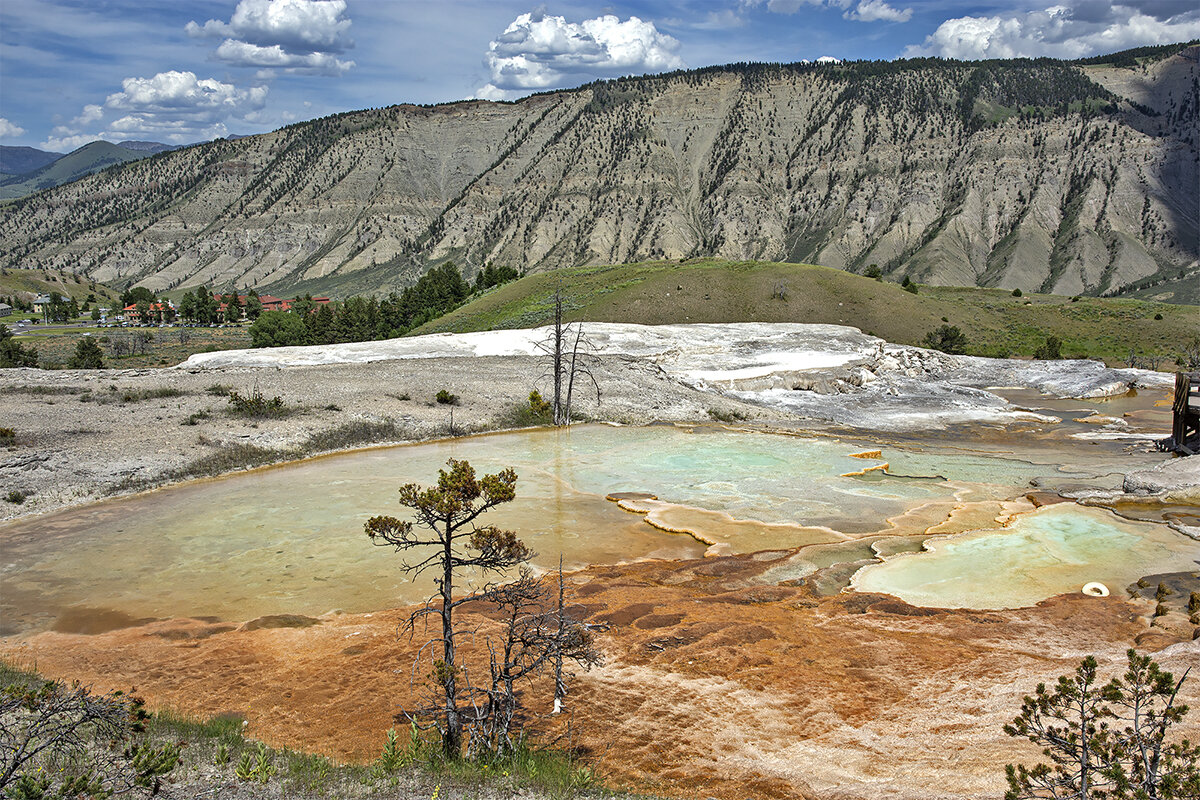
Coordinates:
(73, 71)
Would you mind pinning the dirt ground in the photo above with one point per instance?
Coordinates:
(714, 685)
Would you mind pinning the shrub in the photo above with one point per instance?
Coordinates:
(227, 458)
(1158, 317)
(256, 405)
(947, 338)
(16, 497)
(157, 393)
(445, 398)
(726, 416)
(65, 742)
(351, 434)
(523, 415)
(1051, 350)
(278, 329)
(196, 417)
(1017, 292)
(7, 436)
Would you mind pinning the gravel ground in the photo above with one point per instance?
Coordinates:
(82, 435)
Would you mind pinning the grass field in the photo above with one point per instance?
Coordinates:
(995, 322)
(167, 348)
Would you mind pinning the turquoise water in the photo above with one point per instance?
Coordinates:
(1056, 549)
(290, 539)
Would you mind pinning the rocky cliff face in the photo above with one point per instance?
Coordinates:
(1042, 175)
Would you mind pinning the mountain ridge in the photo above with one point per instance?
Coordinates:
(19, 160)
(1030, 173)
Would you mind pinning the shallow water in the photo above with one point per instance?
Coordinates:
(1055, 549)
(290, 540)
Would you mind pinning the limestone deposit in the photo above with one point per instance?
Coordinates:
(729, 676)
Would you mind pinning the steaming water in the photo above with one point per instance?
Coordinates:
(290, 540)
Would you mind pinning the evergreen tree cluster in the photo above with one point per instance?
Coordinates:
(12, 354)
(363, 319)
(200, 306)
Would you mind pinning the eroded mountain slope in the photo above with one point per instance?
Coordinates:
(1042, 175)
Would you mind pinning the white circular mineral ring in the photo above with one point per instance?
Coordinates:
(1095, 589)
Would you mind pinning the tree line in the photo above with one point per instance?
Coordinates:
(363, 319)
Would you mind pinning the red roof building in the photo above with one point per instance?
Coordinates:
(165, 309)
(269, 302)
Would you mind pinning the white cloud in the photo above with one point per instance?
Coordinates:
(878, 10)
(866, 11)
(712, 21)
(293, 35)
(8, 129)
(65, 144)
(91, 113)
(171, 106)
(182, 92)
(297, 25)
(1060, 32)
(253, 55)
(538, 52)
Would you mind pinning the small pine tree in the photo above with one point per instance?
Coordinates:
(12, 354)
(87, 355)
(1106, 741)
(1051, 350)
(947, 338)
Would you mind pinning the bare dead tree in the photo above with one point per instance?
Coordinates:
(539, 636)
(450, 542)
(571, 354)
(560, 685)
(1189, 356)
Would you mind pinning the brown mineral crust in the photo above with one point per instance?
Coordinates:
(712, 686)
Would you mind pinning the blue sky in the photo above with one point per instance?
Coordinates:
(72, 71)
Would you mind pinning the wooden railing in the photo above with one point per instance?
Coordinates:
(1185, 415)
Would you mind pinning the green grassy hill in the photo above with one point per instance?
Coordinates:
(996, 323)
(30, 282)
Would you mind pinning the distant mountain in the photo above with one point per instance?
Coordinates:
(84, 161)
(147, 147)
(1038, 174)
(19, 160)
(55, 169)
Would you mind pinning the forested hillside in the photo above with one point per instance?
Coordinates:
(1044, 175)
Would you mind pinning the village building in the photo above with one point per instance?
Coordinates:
(269, 302)
(164, 311)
